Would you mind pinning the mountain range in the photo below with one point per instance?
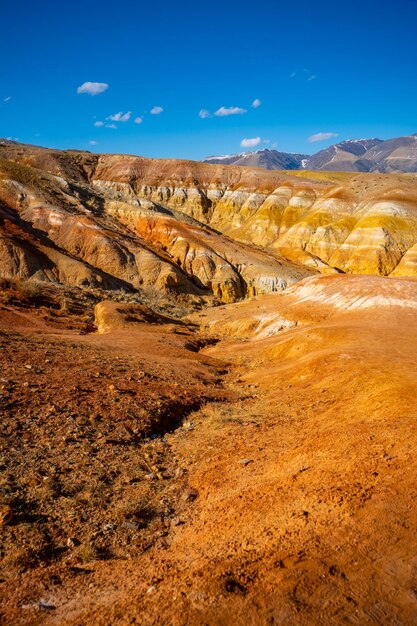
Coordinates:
(354, 155)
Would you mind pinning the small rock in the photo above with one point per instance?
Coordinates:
(70, 542)
(45, 606)
(151, 589)
(130, 526)
(245, 461)
(190, 495)
(6, 515)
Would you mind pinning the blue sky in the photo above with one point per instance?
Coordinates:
(347, 69)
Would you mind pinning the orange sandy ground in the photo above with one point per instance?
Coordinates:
(302, 481)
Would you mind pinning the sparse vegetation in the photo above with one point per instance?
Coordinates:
(87, 553)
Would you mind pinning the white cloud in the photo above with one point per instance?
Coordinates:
(250, 143)
(256, 103)
(305, 73)
(98, 124)
(120, 117)
(110, 125)
(229, 111)
(156, 110)
(309, 75)
(93, 89)
(7, 99)
(93, 143)
(138, 120)
(322, 136)
(204, 114)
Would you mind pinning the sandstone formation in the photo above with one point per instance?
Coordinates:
(312, 300)
(168, 224)
(116, 316)
(363, 223)
(56, 226)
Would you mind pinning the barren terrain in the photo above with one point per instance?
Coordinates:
(207, 393)
(156, 477)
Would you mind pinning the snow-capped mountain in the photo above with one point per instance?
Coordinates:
(353, 155)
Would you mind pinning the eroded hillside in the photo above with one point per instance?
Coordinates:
(163, 460)
(356, 223)
(151, 218)
(57, 226)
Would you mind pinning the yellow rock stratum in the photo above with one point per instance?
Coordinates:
(324, 221)
(356, 223)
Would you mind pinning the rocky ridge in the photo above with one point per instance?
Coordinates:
(353, 155)
(57, 225)
(358, 223)
(197, 228)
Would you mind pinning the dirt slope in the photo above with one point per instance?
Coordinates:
(292, 500)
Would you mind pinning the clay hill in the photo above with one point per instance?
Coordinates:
(353, 155)
(118, 221)
(207, 393)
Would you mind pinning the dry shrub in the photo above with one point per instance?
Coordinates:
(138, 509)
(87, 553)
(219, 413)
(30, 547)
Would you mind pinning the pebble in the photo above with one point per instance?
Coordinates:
(130, 525)
(45, 606)
(190, 495)
(108, 527)
(6, 515)
(245, 461)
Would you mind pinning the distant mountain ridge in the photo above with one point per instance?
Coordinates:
(266, 159)
(353, 155)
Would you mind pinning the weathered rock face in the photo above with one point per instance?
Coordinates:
(47, 233)
(229, 269)
(363, 224)
(68, 231)
(115, 316)
(327, 222)
(313, 300)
